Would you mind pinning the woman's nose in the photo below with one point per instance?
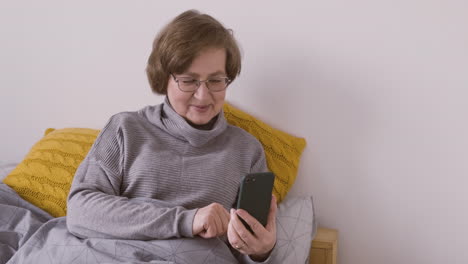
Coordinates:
(202, 91)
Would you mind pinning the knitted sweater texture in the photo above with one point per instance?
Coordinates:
(149, 171)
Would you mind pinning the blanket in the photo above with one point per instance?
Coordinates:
(30, 235)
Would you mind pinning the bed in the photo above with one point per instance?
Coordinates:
(31, 235)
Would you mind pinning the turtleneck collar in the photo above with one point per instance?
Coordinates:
(166, 118)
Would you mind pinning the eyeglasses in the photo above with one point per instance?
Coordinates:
(190, 85)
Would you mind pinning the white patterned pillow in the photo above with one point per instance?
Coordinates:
(295, 227)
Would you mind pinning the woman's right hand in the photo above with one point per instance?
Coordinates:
(211, 221)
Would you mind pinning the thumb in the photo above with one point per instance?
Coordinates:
(197, 225)
(271, 225)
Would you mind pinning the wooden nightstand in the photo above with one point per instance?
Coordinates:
(324, 247)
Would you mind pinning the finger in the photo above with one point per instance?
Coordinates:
(218, 223)
(225, 220)
(237, 225)
(234, 239)
(197, 226)
(256, 226)
(211, 227)
(245, 235)
(271, 225)
(203, 234)
(222, 219)
(211, 219)
(210, 231)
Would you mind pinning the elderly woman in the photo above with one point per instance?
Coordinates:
(173, 170)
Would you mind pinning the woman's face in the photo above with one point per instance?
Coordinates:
(201, 106)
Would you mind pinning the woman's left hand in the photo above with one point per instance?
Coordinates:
(259, 244)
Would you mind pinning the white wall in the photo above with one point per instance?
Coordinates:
(378, 89)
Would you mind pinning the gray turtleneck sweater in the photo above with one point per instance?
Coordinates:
(149, 171)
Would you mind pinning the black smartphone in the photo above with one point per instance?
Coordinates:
(255, 196)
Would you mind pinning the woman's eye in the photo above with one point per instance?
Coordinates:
(189, 81)
(215, 81)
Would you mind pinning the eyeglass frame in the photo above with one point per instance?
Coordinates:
(199, 82)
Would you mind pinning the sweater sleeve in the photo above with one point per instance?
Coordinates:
(259, 161)
(96, 209)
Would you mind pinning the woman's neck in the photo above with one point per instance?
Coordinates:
(207, 126)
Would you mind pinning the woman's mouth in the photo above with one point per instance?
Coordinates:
(201, 108)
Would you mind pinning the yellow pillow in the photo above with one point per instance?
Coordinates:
(44, 176)
(282, 150)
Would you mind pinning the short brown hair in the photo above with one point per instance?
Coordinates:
(177, 44)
